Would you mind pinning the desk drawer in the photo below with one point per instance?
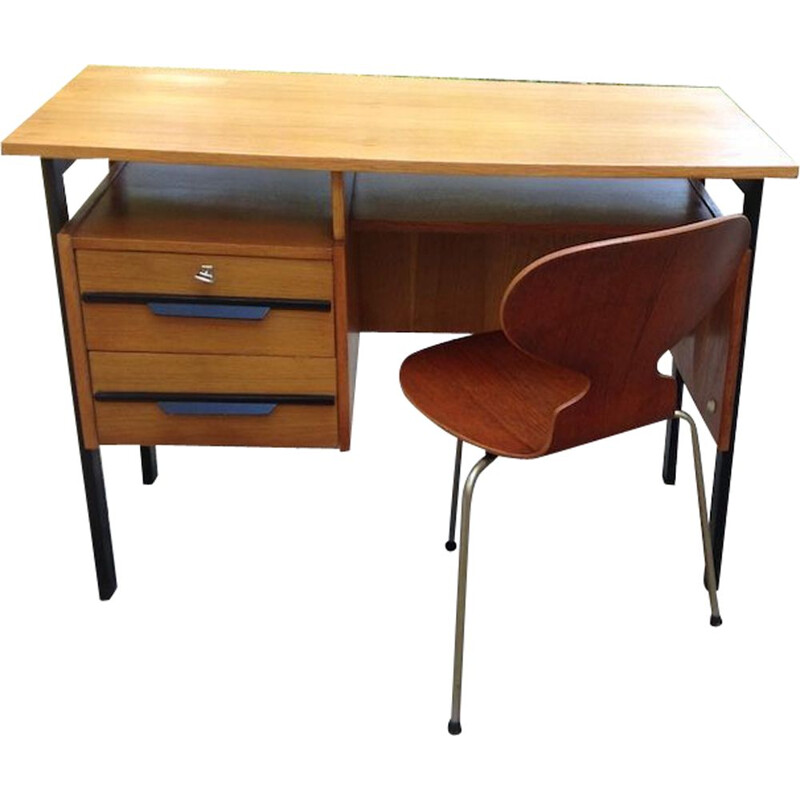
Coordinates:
(147, 398)
(148, 423)
(177, 273)
(157, 324)
(156, 372)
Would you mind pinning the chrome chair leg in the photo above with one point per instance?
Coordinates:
(711, 576)
(450, 544)
(454, 725)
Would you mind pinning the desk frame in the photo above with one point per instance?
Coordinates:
(58, 215)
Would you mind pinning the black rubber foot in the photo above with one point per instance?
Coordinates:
(454, 728)
(716, 621)
(449, 546)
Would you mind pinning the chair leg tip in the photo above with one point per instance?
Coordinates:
(449, 545)
(716, 621)
(453, 728)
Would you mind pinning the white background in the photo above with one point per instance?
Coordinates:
(283, 624)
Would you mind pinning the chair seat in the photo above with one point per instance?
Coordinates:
(487, 392)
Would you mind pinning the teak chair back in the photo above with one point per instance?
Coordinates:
(611, 309)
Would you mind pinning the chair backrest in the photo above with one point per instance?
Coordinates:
(610, 309)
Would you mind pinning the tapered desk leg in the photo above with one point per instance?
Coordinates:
(149, 465)
(671, 442)
(53, 173)
(752, 190)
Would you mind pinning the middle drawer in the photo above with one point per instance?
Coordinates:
(161, 325)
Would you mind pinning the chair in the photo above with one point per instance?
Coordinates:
(575, 361)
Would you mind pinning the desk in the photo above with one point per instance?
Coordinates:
(421, 197)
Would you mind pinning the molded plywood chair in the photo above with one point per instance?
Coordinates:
(582, 330)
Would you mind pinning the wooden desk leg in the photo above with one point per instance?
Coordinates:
(753, 191)
(149, 465)
(671, 442)
(53, 174)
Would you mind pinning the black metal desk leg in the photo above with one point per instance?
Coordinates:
(671, 441)
(752, 190)
(53, 173)
(149, 465)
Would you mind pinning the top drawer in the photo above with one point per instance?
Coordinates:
(176, 273)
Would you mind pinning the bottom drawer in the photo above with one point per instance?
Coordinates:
(265, 401)
(179, 422)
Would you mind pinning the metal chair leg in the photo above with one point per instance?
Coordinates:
(711, 576)
(450, 544)
(454, 726)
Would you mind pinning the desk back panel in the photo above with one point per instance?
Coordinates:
(435, 253)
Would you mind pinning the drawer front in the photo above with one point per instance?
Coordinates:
(147, 423)
(197, 328)
(168, 373)
(147, 398)
(228, 276)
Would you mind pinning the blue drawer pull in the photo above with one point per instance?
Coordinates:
(208, 310)
(216, 408)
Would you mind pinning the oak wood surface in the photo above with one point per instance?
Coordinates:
(281, 333)
(174, 273)
(159, 372)
(77, 342)
(211, 210)
(286, 426)
(347, 340)
(374, 123)
(342, 185)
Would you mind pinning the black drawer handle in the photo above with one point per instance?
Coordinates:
(174, 399)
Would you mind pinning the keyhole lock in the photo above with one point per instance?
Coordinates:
(205, 274)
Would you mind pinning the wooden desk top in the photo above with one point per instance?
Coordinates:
(382, 124)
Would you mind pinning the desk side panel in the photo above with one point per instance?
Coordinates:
(708, 359)
(77, 341)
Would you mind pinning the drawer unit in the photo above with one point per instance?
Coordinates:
(146, 398)
(212, 316)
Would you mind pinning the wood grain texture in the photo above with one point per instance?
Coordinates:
(708, 358)
(609, 310)
(347, 338)
(448, 276)
(156, 372)
(286, 426)
(173, 273)
(211, 210)
(583, 330)
(77, 342)
(372, 123)
(457, 203)
(486, 391)
(281, 333)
